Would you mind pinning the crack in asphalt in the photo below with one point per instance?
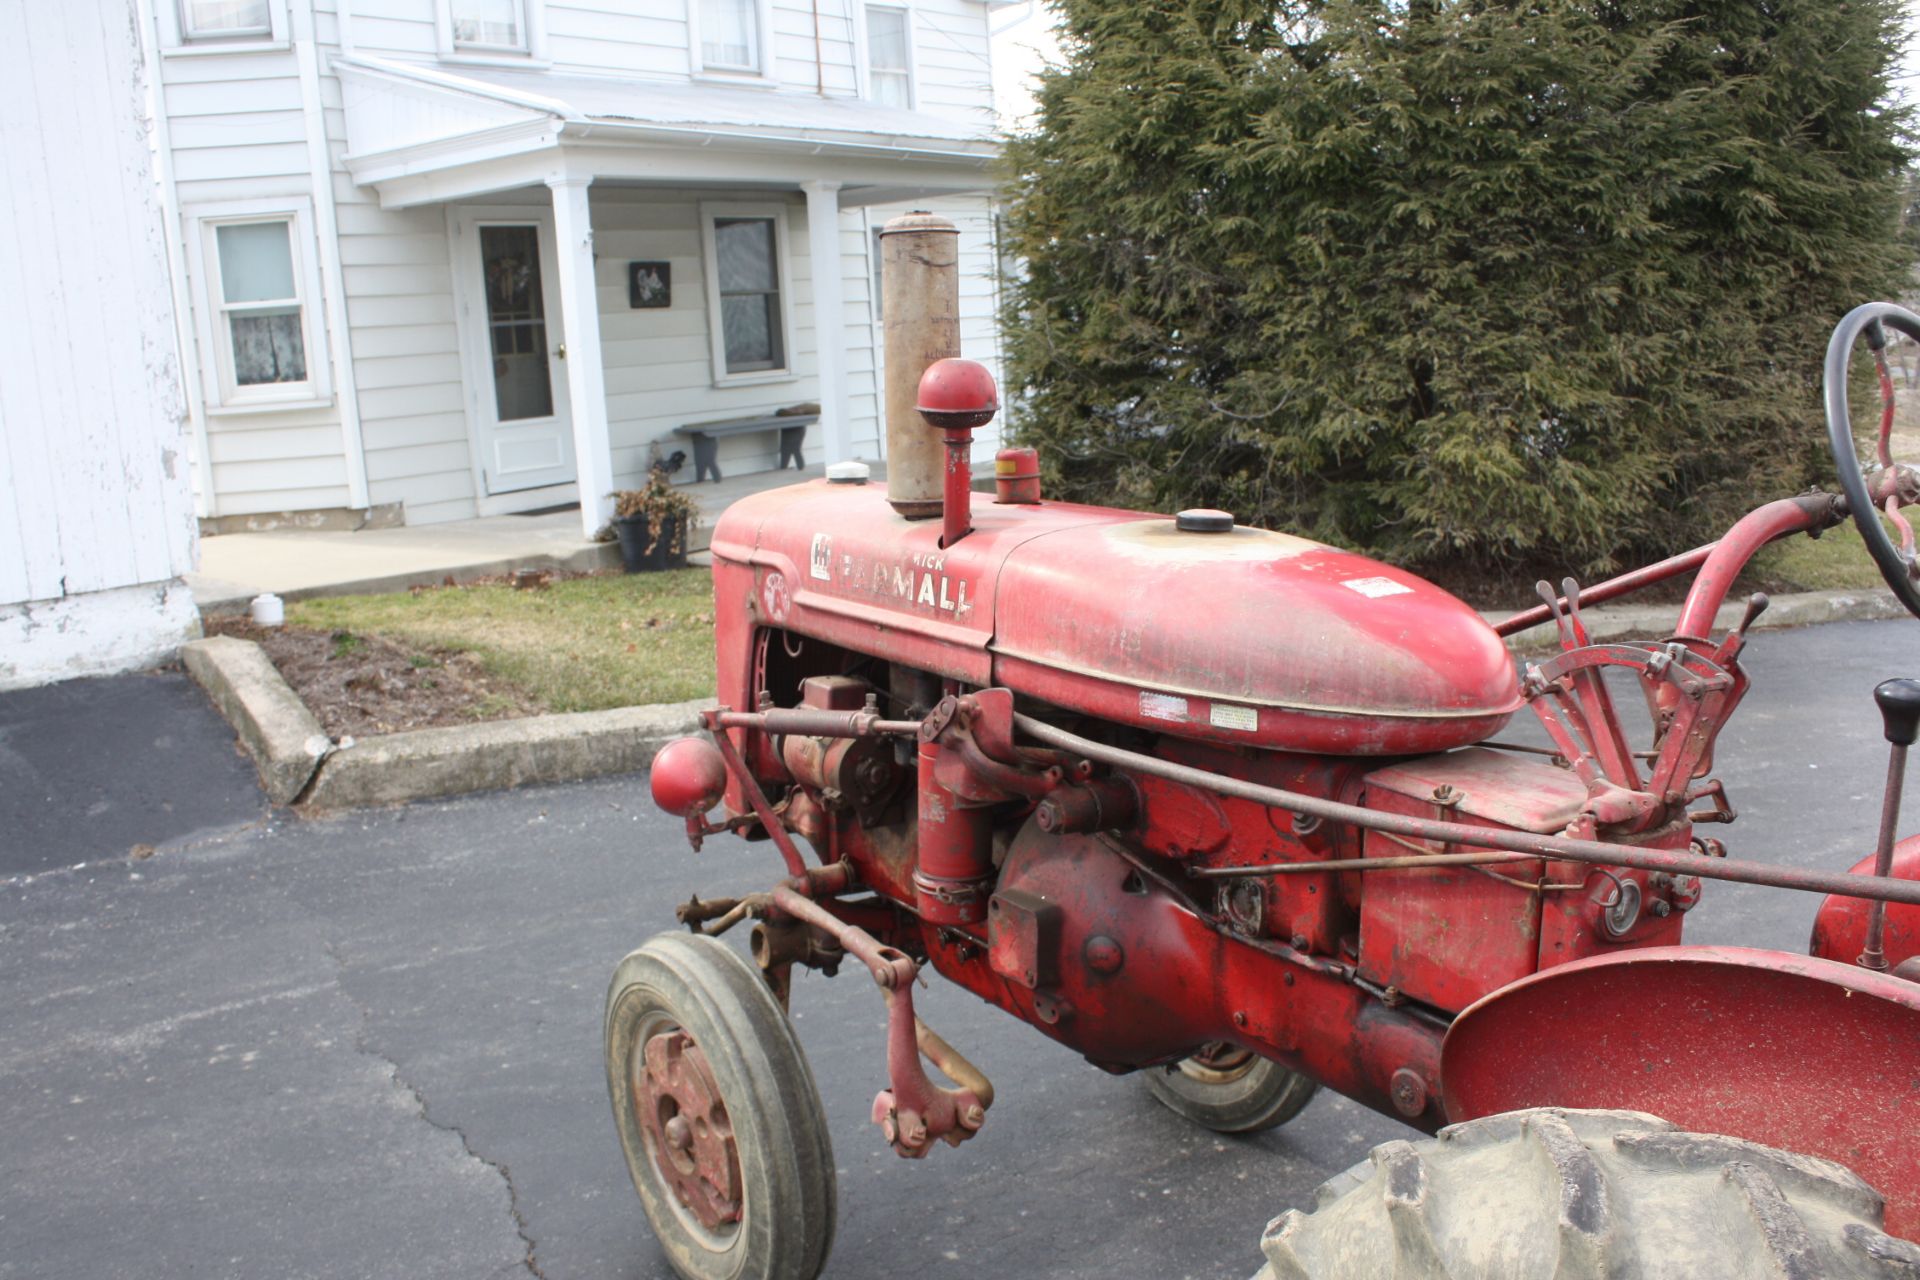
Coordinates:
(364, 1046)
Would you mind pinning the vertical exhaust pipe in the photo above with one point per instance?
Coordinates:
(920, 294)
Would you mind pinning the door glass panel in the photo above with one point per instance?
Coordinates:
(516, 322)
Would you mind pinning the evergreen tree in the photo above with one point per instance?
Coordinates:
(1444, 278)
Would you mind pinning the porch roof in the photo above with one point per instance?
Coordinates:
(418, 134)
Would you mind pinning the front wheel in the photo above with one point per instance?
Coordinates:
(1231, 1090)
(1578, 1194)
(718, 1115)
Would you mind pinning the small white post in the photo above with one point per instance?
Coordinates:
(829, 316)
(580, 325)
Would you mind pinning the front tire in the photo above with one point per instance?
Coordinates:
(1578, 1194)
(1231, 1090)
(718, 1115)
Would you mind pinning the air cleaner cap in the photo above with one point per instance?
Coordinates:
(1204, 520)
(848, 473)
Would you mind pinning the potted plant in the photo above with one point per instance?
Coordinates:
(652, 524)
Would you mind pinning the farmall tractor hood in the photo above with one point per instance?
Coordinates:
(1245, 637)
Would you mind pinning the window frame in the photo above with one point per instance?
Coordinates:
(863, 50)
(531, 52)
(783, 268)
(222, 389)
(176, 38)
(760, 73)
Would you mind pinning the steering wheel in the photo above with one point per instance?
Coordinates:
(1893, 483)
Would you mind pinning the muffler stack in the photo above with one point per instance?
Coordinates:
(920, 295)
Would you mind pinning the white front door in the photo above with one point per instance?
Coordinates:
(512, 347)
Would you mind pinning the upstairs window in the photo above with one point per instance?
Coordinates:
(730, 35)
(226, 20)
(511, 32)
(221, 26)
(489, 26)
(889, 57)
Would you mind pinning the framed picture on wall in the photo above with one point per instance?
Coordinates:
(649, 284)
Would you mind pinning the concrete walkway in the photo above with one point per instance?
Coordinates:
(301, 563)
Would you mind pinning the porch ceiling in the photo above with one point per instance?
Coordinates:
(419, 135)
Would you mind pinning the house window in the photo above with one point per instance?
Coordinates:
(488, 26)
(889, 57)
(730, 35)
(259, 329)
(221, 26)
(747, 291)
(225, 19)
(504, 31)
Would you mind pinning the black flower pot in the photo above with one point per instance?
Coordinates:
(641, 555)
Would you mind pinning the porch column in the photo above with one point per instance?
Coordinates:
(580, 327)
(829, 315)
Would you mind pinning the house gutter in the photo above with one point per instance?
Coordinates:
(161, 144)
(709, 135)
(327, 232)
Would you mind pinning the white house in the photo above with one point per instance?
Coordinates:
(445, 258)
(96, 519)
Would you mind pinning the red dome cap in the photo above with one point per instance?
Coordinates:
(689, 777)
(957, 393)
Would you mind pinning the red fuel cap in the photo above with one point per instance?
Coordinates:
(1204, 520)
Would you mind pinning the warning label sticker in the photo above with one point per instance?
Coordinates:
(1239, 719)
(1374, 588)
(1163, 706)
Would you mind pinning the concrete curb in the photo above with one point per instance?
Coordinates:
(429, 763)
(1655, 622)
(285, 741)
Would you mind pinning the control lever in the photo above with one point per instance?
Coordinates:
(1899, 703)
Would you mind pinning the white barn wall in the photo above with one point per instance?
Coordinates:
(96, 514)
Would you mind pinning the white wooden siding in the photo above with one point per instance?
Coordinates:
(237, 126)
(95, 502)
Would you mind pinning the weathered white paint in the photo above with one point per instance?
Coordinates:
(327, 232)
(823, 245)
(579, 309)
(96, 515)
(94, 634)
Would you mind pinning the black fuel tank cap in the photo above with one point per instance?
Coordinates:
(1204, 520)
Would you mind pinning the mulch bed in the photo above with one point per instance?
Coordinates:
(359, 686)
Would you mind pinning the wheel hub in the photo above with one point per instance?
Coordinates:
(687, 1128)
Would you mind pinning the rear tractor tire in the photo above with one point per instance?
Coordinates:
(1230, 1090)
(718, 1115)
(1577, 1194)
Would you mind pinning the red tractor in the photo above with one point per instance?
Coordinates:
(1231, 808)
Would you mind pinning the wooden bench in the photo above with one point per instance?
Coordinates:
(706, 439)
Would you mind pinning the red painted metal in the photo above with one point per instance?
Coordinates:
(1016, 475)
(955, 397)
(1307, 648)
(688, 777)
(686, 1126)
(1840, 930)
(1611, 589)
(1249, 840)
(1793, 1051)
(1730, 555)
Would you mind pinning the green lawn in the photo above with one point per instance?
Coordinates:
(1836, 559)
(579, 645)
